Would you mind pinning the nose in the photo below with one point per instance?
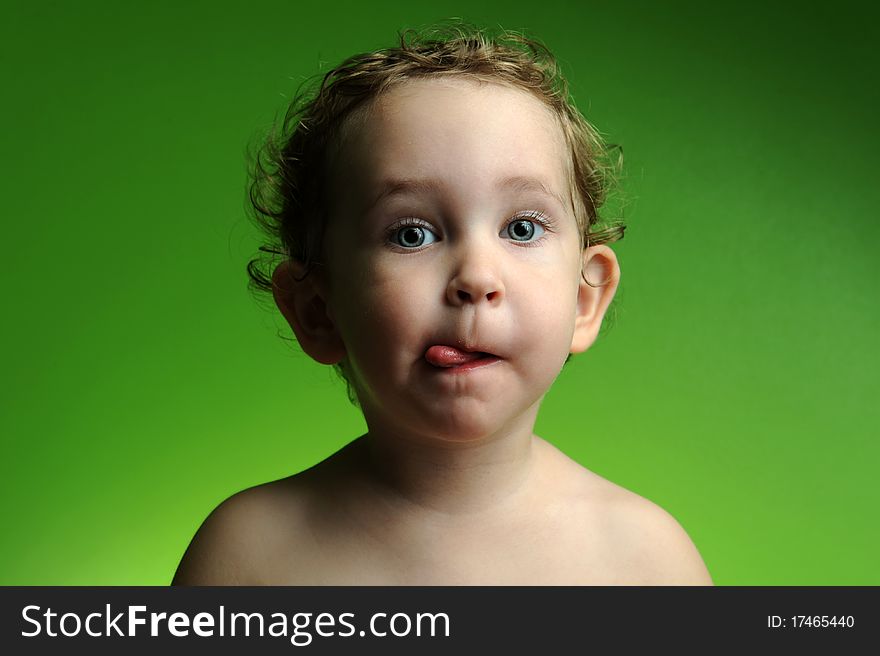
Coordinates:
(475, 280)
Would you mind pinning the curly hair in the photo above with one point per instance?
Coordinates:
(289, 173)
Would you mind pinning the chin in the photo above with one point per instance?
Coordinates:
(460, 427)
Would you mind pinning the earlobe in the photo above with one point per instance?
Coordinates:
(302, 300)
(599, 280)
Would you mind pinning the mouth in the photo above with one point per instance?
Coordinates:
(451, 358)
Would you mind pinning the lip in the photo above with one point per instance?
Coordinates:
(486, 360)
(459, 359)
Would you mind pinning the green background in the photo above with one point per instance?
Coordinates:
(737, 387)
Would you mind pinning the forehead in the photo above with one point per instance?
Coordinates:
(453, 134)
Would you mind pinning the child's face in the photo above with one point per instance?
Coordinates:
(461, 263)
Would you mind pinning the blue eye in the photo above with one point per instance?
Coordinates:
(523, 230)
(413, 236)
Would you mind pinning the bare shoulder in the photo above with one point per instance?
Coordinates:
(240, 536)
(649, 544)
(635, 541)
(655, 543)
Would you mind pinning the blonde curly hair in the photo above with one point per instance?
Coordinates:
(288, 174)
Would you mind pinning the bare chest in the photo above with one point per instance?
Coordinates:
(557, 555)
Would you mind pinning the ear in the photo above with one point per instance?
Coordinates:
(302, 301)
(602, 274)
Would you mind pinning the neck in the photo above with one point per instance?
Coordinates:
(449, 478)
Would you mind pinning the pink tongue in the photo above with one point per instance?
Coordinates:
(449, 356)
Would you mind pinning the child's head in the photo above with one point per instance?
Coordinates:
(408, 193)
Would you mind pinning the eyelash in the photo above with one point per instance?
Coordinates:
(535, 217)
(532, 215)
(400, 225)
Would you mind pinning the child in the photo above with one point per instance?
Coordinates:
(436, 205)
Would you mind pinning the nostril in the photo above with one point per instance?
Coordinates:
(463, 295)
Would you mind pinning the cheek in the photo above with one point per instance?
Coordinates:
(376, 309)
(547, 313)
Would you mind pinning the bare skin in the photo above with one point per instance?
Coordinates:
(477, 252)
(343, 523)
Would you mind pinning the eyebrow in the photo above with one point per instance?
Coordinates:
(414, 186)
